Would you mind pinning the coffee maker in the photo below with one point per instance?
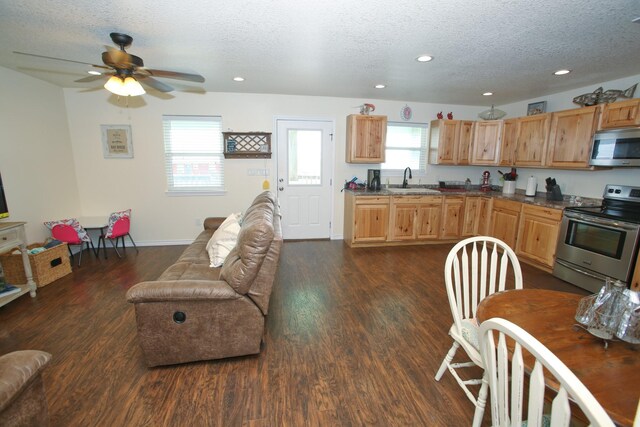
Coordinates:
(373, 179)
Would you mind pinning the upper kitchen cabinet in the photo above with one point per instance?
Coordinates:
(532, 133)
(486, 142)
(571, 137)
(621, 114)
(450, 141)
(366, 138)
(508, 148)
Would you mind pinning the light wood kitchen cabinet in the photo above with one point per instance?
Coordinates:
(621, 114)
(508, 143)
(486, 142)
(538, 234)
(465, 138)
(366, 219)
(532, 134)
(414, 217)
(452, 217)
(450, 141)
(571, 137)
(505, 217)
(477, 213)
(366, 138)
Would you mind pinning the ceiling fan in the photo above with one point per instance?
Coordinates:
(126, 71)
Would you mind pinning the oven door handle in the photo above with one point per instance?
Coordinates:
(580, 270)
(600, 221)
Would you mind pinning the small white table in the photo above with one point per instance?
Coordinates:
(96, 223)
(12, 234)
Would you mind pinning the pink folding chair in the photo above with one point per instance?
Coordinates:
(119, 226)
(71, 232)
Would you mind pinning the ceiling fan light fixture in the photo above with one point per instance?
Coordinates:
(94, 73)
(132, 87)
(127, 87)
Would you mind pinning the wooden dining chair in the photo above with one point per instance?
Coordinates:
(504, 347)
(475, 268)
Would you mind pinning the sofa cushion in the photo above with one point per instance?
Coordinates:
(223, 240)
(245, 259)
(189, 271)
(197, 251)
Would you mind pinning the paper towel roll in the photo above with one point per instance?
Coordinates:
(532, 186)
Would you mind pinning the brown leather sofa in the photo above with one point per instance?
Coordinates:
(22, 398)
(196, 312)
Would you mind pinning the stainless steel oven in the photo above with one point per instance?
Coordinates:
(600, 241)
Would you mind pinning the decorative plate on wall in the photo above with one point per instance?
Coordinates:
(406, 113)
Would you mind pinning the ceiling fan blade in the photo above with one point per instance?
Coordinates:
(92, 78)
(120, 59)
(60, 59)
(176, 75)
(158, 85)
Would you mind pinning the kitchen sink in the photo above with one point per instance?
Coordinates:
(413, 190)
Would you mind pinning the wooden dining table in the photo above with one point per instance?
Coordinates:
(611, 373)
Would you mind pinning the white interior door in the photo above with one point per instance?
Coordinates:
(304, 177)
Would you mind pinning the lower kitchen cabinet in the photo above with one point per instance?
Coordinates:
(505, 217)
(366, 219)
(452, 217)
(537, 235)
(414, 218)
(477, 213)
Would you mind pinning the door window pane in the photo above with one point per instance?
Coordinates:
(305, 157)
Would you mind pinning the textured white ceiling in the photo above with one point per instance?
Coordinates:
(339, 47)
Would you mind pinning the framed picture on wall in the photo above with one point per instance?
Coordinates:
(116, 141)
(536, 108)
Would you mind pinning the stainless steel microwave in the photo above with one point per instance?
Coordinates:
(616, 147)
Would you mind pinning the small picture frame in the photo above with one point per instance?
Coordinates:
(537, 108)
(116, 141)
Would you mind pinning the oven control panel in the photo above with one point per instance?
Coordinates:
(622, 192)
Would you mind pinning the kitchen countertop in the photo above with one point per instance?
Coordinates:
(540, 199)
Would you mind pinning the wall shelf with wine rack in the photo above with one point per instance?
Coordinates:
(247, 145)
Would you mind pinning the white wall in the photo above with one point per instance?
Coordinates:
(34, 114)
(36, 161)
(139, 183)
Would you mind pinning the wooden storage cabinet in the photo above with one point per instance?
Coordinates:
(452, 217)
(532, 134)
(477, 213)
(571, 137)
(414, 218)
(366, 138)
(508, 143)
(538, 234)
(450, 141)
(486, 142)
(366, 219)
(621, 114)
(505, 217)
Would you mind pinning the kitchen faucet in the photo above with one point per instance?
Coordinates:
(404, 177)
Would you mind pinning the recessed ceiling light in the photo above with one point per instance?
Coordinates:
(238, 79)
(94, 73)
(380, 86)
(487, 94)
(562, 72)
(424, 58)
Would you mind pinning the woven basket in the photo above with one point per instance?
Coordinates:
(46, 266)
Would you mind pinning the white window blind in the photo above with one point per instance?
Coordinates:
(407, 146)
(194, 159)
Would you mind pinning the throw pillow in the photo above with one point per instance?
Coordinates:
(223, 240)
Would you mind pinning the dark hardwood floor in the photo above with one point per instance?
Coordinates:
(354, 337)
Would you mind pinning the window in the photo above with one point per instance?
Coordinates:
(194, 159)
(407, 145)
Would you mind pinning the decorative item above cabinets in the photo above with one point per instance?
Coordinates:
(366, 138)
